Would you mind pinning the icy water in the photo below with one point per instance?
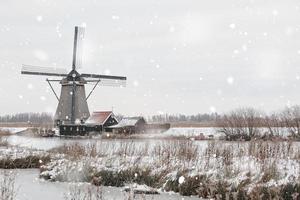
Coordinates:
(49, 143)
(30, 187)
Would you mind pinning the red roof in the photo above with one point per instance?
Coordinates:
(99, 117)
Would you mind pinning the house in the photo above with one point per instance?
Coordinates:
(99, 121)
(129, 125)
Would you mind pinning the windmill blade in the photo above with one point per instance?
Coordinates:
(77, 48)
(110, 82)
(99, 76)
(44, 71)
(113, 81)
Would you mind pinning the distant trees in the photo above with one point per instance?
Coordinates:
(273, 125)
(291, 118)
(184, 118)
(249, 123)
(40, 118)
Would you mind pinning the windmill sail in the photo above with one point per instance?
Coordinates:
(106, 80)
(77, 48)
(45, 71)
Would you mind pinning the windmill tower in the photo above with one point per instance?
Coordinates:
(72, 103)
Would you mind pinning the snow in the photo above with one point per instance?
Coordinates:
(192, 132)
(128, 121)
(181, 179)
(13, 130)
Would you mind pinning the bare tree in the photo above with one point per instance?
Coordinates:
(242, 123)
(274, 125)
(291, 118)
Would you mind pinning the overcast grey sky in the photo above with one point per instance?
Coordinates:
(180, 56)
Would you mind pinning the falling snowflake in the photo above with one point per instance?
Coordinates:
(41, 55)
(181, 180)
(77, 121)
(232, 26)
(275, 12)
(107, 72)
(30, 86)
(135, 83)
(43, 98)
(212, 109)
(172, 29)
(244, 47)
(230, 80)
(236, 51)
(39, 18)
(115, 17)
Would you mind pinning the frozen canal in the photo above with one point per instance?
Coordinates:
(52, 142)
(30, 187)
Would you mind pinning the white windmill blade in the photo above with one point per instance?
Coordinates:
(108, 82)
(78, 47)
(46, 71)
(112, 83)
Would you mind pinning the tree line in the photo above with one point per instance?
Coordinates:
(250, 123)
(184, 118)
(35, 118)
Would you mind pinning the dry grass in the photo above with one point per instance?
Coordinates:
(76, 150)
(5, 133)
(7, 186)
(31, 161)
(223, 158)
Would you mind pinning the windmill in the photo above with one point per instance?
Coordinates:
(72, 106)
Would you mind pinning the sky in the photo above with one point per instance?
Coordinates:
(179, 56)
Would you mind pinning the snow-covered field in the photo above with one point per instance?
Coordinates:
(173, 164)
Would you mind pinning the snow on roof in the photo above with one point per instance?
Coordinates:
(127, 121)
(99, 117)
